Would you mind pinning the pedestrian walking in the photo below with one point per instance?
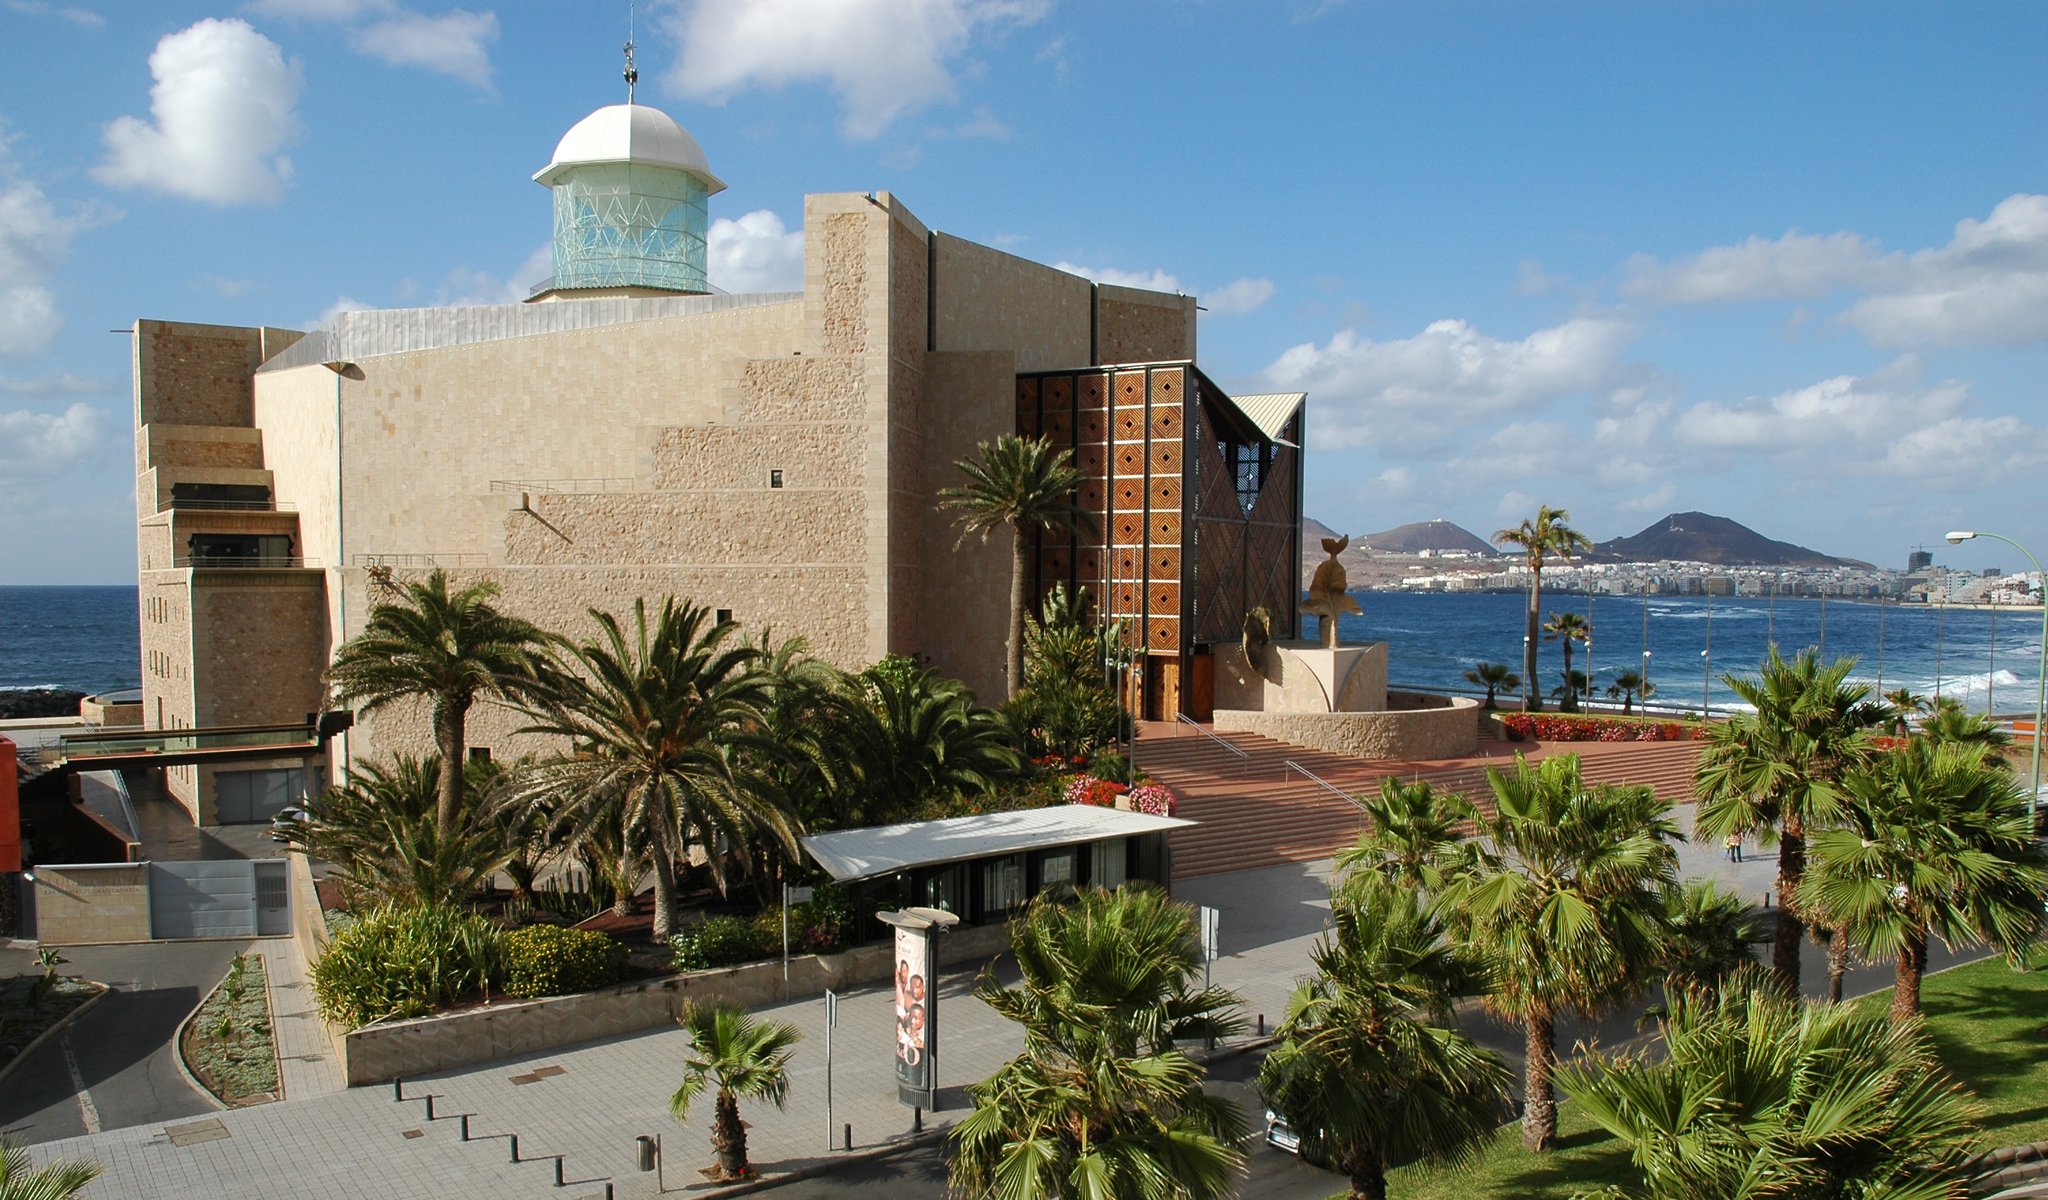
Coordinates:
(1734, 847)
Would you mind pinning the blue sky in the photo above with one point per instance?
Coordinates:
(1787, 263)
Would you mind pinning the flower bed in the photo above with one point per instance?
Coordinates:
(1558, 727)
(229, 1044)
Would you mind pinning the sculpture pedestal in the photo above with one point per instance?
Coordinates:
(1303, 677)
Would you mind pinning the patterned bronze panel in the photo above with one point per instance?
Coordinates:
(1130, 389)
(1167, 385)
(1124, 560)
(1165, 422)
(1166, 458)
(1162, 633)
(1163, 562)
(1130, 459)
(1059, 391)
(1092, 391)
(1093, 426)
(1129, 493)
(1165, 527)
(1166, 492)
(1130, 424)
(1128, 529)
(1088, 565)
(1091, 496)
(1163, 597)
(1124, 598)
(1056, 562)
(1059, 425)
(1090, 460)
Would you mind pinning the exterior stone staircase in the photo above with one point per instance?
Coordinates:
(1257, 811)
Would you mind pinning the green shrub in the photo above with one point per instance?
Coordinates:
(405, 962)
(725, 941)
(548, 960)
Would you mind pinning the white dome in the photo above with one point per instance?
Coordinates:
(632, 133)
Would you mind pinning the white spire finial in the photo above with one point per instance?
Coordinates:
(632, 72)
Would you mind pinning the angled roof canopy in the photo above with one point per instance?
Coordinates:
(1270, 411)
(851, 854)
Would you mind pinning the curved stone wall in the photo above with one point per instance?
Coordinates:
(1448, 728)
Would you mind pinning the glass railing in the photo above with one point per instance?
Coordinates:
(182, 741)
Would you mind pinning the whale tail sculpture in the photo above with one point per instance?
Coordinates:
(1329, 595)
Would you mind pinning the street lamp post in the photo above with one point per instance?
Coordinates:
(1959, 536)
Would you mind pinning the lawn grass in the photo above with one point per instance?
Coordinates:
(1989, 1024)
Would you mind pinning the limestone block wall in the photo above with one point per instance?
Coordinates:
(988, 300)
(90, 903)
(259, 644)
(1427, 733)
(738, 529)
(1136, 326)
(298, 414)
(188, 374)
(197, 446)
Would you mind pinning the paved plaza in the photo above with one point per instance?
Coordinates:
(587, 1104)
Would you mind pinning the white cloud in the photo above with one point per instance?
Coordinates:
(883, 58)
(64, 383)
(1151, 281)
(1238, 296)
(222, 286)
(755, 254)
(1987, 286)
(1447, 378)
(341, 305)
(41, 438)
(1657, 500)
(456, 44)
(466, 287)
(82, 17)
(222, 112)
(34, 238)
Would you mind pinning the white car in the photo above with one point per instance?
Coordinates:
(1282, 1136)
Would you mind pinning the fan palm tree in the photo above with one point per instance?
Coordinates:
(1101, 1103)
(1494, 677)
(446, 649)
(1547, 536)
(1570, 690)
(664, 727)
(1564, 906)
(1415, 838)
(1709, 934)
(745, 1058)
(1905, 704)
(21, 1179)
(382, 829)
(1568, 627)
(1627, 686)
(1365, 1057)
(1936, 845)
(1775, 772)
(1026, 486)
(1756, 1094)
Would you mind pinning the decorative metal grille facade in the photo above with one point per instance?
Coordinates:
(630, 225)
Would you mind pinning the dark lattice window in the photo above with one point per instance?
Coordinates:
(1249, 462)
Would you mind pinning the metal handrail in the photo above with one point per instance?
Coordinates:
(464, 559)
(261, 563)
(1324, 784)
(585, 486)
(177, 505)
(1243, 759)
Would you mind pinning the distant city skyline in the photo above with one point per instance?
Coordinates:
(1784, 264)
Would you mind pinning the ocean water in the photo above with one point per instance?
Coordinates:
(86, 638)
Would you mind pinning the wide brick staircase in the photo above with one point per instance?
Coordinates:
(1252, 809)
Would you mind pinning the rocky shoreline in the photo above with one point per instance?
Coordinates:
(20, 704)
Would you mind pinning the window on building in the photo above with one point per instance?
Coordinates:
(775, 477)
(723, 615)
(1002, 884)
(479, 754)
(1108, 864)
(1248, 462)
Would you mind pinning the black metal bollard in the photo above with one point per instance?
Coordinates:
(608, 1190)
(849, 1135)
(1262, 1024)
(515, 1146)
(561, 1180)
(430, 1106)
(398, 1089)
(643, 1152)
(916, 1120)
(465, 1127)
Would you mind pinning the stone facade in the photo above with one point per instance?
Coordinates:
(85, 905)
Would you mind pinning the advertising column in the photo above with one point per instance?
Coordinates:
(917, 1003)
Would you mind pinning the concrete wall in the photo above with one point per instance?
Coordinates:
(1426, 733)
(377, 1053)
(85, 904)
(1136, 326)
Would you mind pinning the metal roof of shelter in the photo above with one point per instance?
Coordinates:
(1270, 411)
(851, 854)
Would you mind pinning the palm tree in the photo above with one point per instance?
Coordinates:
(1775, 772)
(381, 828)
(1626, 687)
(1569, 627)
(1364, 1056)
(1025, 486)
(446, 649)
(1101, 1102)
(1905, 703)
(1936, 845)
(903, 737)
(21, 1180)
(1570, 690)
(1564, 906)
(1756, 1094)
(663, 728)
(1545, 537)
(1493, 677)
(1415, 838)
(1709, 934)
(746, 1058)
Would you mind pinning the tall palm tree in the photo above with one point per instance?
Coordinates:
(1101, 1103)
(1547, 536)
(1626, 687)
(1775, 772)
(1415, 838)
(663, 726)
(1936, 846)
(382, 830)
(1757, 1094)
(446, 649)
(1026, 486)
(1365, 1055)
(1494, 677)
(20, 1179)
(903, 737)
(1564, 906)
(1568, 627)
(745, 1058)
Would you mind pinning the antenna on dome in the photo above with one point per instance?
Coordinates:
(632, 72)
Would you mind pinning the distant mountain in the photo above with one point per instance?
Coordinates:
(1427, 535)
(1702, 537)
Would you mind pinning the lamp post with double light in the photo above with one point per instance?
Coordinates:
(1959, 536)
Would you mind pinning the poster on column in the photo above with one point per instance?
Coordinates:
(916, 1028)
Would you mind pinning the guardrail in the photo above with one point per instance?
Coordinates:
(1325, 784)
(1243, 759)
(259, 563)
(227, 506)
(421, 560)
(567, 486)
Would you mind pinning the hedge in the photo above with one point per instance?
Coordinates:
(548, 960)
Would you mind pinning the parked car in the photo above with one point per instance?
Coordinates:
(1285, 1137)
(286, 823)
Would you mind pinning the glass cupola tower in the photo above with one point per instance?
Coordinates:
(630, 187)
